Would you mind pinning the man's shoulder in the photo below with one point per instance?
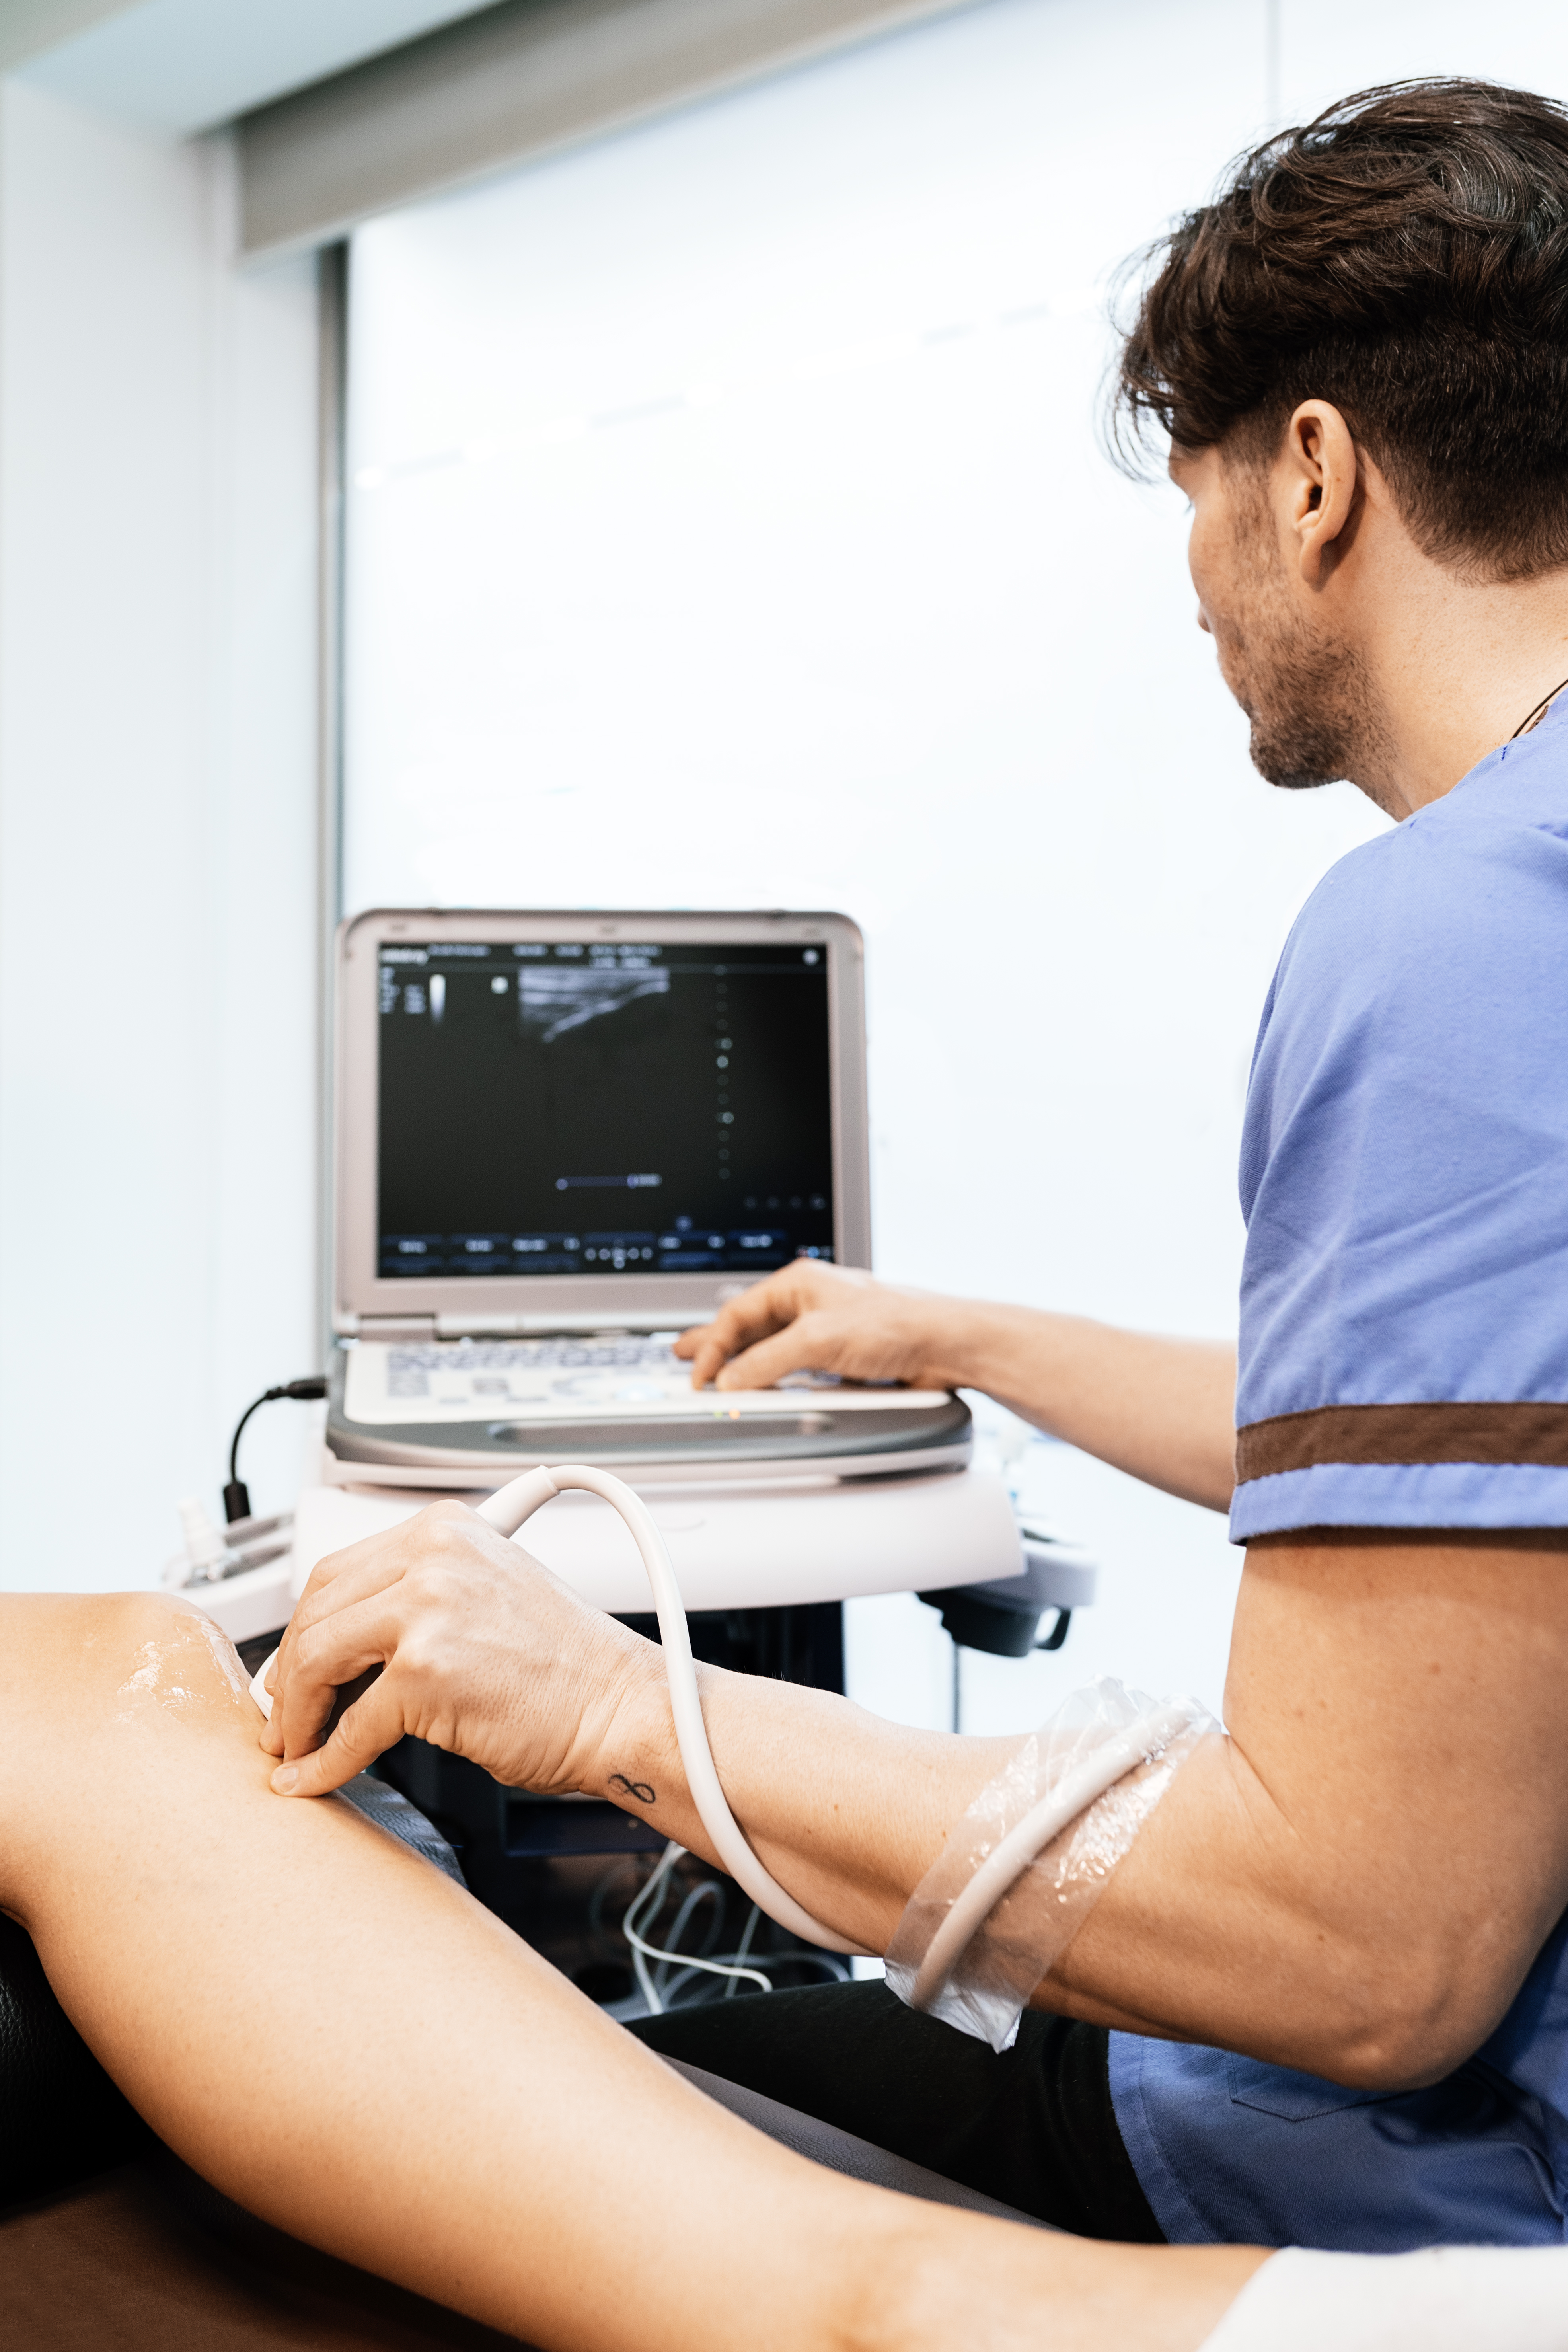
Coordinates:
(1481, 874)
(1405, 1177)
(1418, 1013)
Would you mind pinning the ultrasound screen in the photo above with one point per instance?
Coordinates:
(585, 1108)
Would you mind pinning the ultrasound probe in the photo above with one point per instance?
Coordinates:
(506, 1511)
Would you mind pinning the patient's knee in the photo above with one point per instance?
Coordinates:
(77, 1663)
(161, 1653)
(111, 1707)
(102, 1697)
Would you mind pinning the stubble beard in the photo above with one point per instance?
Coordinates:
(1310, 711)
(1314, 714)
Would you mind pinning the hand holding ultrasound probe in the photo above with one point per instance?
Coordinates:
(508, 1509)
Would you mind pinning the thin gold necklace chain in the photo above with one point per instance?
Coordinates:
(1532, 718)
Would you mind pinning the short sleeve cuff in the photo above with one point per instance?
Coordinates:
(1401, 1495)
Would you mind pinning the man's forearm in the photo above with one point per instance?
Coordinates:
(1162, 1409)
(847, 1810)
(1305, 1893)
(1223, 1925)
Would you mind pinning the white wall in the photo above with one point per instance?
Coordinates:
(157, 1040)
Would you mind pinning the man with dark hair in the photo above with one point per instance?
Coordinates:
(1323, 1999)
(1404, 264)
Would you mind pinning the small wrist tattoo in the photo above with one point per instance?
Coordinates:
(638, 1788)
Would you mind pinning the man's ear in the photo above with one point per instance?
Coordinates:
(1322, 479)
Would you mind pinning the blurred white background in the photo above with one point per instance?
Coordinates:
(728, 527)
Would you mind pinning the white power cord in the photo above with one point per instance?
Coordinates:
(507, 1510)
(643, 1907)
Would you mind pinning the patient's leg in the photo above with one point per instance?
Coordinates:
(346, 2042)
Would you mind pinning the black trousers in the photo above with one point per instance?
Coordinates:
(1033, 2128)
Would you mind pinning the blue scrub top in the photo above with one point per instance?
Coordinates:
(1404, 1363)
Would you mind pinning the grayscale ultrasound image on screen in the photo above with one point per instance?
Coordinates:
(582, 1109)
(554, 1001)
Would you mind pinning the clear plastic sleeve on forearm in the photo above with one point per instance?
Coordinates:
(985, 1988)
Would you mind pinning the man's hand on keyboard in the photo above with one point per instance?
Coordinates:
(814, 1318)
(1161, 1409)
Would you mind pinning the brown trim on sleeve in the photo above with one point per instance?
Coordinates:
(1364, 1434)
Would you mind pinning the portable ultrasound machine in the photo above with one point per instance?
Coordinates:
(561, 1139)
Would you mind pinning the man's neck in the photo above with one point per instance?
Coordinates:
(1456, 666)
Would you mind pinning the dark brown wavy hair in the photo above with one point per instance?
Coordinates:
(1406, 256)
